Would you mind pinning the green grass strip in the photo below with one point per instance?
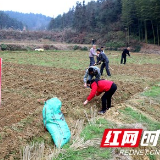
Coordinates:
(153, 92)
(150, 124)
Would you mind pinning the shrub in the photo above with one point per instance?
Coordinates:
(137, 48)
(76, 47)
(46, 47)
(3, 47)
(84, 48)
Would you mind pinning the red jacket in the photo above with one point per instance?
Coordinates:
(103, 86)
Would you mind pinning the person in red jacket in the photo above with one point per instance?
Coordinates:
(99, 86)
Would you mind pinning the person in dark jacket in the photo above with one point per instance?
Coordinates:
(102, 49)
(105, 62)
(93, 41)
(99, 86)
(124, 54)
(90, 73)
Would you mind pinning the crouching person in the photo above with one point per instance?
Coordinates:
(90, 73)
(99, 86)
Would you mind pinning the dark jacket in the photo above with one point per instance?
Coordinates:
(125, 52)
(103, 58)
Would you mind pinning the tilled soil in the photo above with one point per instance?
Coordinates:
(22, 85)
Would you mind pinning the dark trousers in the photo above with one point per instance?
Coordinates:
(106, 98)
(105, 64)
(123, 58)
(92, 61)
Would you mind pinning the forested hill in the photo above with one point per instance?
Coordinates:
(7, 22)
(32, 21)
(114, 19)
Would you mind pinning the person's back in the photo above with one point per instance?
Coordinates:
(125, 52)
(98, 87)
(103, 57)
(102, 85)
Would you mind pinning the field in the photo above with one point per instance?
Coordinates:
(28, 76)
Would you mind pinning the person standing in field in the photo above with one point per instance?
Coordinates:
(105, 62)
(90, 73)
(99, 86)
(92, 53)
(93, 41)
(102, 49)
(124, 54)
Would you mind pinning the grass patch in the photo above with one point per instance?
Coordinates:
(140, 59)
(95, 130)
(154, 92)
(152, 157)
(150, 124)
(74, 59)
(59, 59)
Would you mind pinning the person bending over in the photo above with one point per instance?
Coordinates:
(92, 71)
(99, 86)
(124, 54)
(103, 58)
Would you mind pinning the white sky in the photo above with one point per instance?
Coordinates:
(50, 8)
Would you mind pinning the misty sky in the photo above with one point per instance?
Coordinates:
(50, 8)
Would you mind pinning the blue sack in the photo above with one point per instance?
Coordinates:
(53, 120)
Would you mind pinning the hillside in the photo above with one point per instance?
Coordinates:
(6, 22)
(32, 21)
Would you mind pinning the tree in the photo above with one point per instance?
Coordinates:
(79, 22)
(128, 15)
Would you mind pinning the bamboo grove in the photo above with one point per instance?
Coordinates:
(137, 18)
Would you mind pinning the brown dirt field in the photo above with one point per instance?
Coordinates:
(22, 85)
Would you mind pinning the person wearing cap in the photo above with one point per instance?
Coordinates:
(124, 54)
(105, 62)
(90, 73)
(99, 86)
(92, 53)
